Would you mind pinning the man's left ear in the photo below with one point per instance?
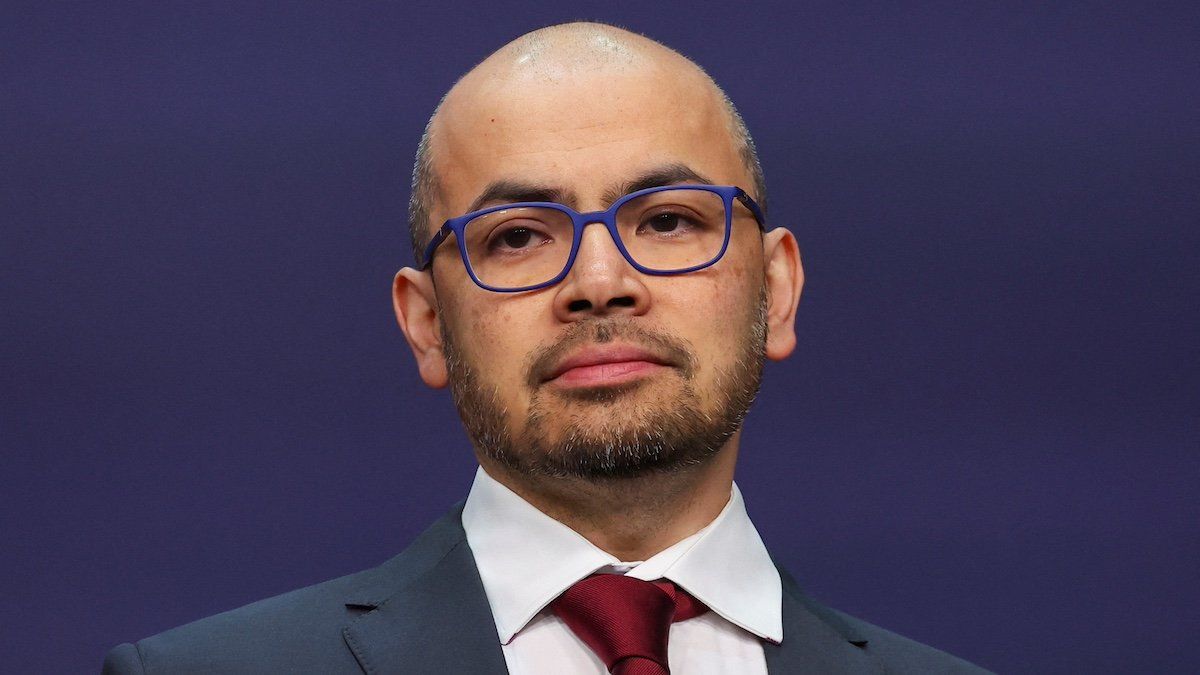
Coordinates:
(785, 280)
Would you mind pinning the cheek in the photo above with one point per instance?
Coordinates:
(722, 296)
(714, 312)
(498, 342)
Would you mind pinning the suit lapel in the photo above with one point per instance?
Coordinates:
(815, 640)
(439, 621)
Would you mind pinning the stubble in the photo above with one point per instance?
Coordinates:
(635, 435)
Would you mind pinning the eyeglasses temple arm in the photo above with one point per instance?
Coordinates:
(438, 238)
(749, 203)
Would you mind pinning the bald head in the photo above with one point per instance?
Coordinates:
(557, 51)
(545, 78)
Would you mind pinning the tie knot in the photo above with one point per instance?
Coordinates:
(626, 621)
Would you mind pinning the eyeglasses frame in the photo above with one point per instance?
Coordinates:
(608, 217)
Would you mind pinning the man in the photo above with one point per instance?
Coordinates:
(598, 288)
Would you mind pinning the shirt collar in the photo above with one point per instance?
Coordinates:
(526, 559)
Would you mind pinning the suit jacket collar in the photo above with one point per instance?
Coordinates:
(428, 613)
(815, 638)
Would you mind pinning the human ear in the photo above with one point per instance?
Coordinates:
(415, 302)
(785, 280)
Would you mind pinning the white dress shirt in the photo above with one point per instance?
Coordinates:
(526, 559)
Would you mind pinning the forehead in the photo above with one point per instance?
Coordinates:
(582, 132)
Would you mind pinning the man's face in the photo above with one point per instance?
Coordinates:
(610, 372)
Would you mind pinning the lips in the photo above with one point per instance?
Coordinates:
(606, 361)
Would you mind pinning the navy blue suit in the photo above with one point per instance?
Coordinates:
(425, 611)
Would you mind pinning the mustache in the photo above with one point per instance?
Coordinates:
(668, 349)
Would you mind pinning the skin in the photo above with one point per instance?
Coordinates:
(584, 109)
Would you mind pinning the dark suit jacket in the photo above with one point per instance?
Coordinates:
(425, 611)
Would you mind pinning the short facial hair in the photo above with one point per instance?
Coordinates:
(668, 435)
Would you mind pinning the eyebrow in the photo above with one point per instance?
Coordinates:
(511, 191)
(668, 174)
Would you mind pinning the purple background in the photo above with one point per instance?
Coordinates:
(987, 440)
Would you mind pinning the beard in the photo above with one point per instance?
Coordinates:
(667, 433)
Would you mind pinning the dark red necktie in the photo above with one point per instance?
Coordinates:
(626, 621)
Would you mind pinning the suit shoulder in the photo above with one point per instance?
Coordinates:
(903, 655)
(299, 630)
(123, 660)
(895, 653)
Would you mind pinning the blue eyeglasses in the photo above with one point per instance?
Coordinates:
(673, 229)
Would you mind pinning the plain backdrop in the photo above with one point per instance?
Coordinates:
(987, 439)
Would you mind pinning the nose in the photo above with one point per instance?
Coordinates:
(601, 281)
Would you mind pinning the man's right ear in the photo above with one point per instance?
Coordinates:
(416, 306)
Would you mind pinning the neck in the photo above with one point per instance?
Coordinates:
(631, 518)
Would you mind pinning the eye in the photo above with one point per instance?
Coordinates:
(665, 223)
(516, 238)
(669, 223)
